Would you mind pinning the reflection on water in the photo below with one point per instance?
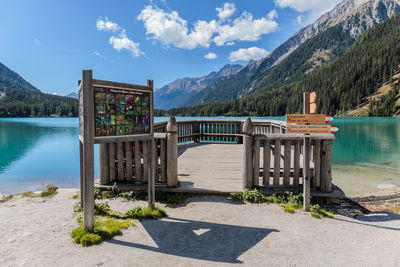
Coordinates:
(38, 151)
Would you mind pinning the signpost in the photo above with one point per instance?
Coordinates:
(311, 129)
(318, 127)
(111, 112)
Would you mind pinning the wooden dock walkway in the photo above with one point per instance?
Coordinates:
(209, 158)
(211, 167)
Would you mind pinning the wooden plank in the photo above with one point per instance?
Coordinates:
(104, 164)
(275, 136)
(317, 163)
(266, 162)
(124, 138)
(146, 161)
(155, 155)
(277, 160)
(256, 161)
(309, 129)
(111, 158)
(326, 166)
(120, 161)
(88, 150)
(307, 118)
(296, 163)
(125, 86)
(81, 172)
(138, 162)
(128, 152)
(306, 174)
(286, 163)
(163, 161)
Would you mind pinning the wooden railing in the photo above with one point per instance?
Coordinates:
(276, 160)
(130, 162)
(219, 131)
(271, 157)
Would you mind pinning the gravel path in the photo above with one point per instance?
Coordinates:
(207, 230)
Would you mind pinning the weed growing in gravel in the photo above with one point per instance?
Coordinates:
(103, 230)
(51, 190)
(162, 197)
(140, 213)
(290, 202)
(107, 228)
(317, 212)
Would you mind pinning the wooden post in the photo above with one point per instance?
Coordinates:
(247, 172)
(153, 155)
(306, 157)
(326, 166)
(81, 172)
(104, 164)
(172, 153)
(88, 151)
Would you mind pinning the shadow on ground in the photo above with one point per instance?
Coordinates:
(200, 240)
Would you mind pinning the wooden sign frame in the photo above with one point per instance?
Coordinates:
(87, 138)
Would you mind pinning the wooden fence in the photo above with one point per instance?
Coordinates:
(271, 157)
(276, 160)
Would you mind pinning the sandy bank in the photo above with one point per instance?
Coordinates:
(207, 230)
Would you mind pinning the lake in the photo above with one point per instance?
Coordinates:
(39, 151)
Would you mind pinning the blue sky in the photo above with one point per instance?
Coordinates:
(50, 42)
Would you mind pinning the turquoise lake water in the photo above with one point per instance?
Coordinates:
(39, 151)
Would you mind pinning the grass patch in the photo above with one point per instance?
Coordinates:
(50, 191)
(290, 201)
(75, 196)
(140, 213)
(103, 230)
(316, 210)
(288, 209)
(109, 223)
(27, 194)
(315, 215)
(162, 197)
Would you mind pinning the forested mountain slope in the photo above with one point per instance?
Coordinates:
(18, 98)
(340, 85)
(351, 16)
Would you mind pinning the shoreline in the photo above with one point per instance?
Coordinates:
(371, 202)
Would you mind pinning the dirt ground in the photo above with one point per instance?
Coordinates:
(204, 231)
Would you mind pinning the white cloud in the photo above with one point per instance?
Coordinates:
(170, 29)
(54, 93)
(107, 25)
(211, 55)
(226, 11)
(97, 54)
(245, 28)
(37, 42)
(300, 20)
(246, 54)
(272, 14)
(307, 5)
(121, 41)
(230, 43)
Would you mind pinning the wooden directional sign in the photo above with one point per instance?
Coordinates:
(311, 129)
(308, 118)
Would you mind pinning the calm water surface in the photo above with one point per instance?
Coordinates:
(39, 151)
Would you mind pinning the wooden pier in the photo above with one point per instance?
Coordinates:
(219, 157)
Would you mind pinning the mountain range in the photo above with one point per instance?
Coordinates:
(178, 92)
(19, 98)
(313, 47)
